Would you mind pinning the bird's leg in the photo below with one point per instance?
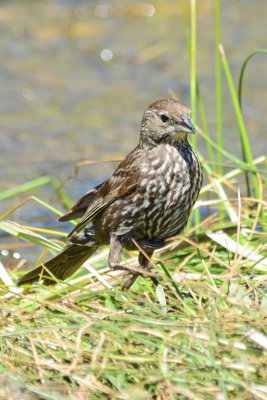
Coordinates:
(114, 256)
(114, 259)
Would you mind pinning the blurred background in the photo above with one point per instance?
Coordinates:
(76, 77)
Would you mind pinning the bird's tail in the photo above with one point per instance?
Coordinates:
(61, 266)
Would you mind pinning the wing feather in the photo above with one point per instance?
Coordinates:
(81, 205)
(120, 184)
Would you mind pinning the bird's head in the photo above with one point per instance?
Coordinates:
(166, 121)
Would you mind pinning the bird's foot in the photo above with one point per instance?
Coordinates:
(135, 273)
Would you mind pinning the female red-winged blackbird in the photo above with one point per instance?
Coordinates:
(148, 198)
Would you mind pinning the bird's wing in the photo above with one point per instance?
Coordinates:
(81, 205)
(120, 184)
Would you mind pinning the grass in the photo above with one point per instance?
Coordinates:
(200, 335)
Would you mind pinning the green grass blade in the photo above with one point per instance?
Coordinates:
(218, 82)
(49, 207)
(221, 192)
(43, 203)
(193, 79)
(240, 85)
(204, 123)
(229, 175)
(241, 76)
(66, 200)
(25, 234)
(236, 160)
(199, 98)
(43, 180)
(241, 124)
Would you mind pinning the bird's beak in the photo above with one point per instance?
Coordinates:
(187, 125)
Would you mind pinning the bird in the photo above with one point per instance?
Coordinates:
(146, 201)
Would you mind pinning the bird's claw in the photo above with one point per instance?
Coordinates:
(135, 273)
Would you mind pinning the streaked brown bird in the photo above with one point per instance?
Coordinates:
(148, 198)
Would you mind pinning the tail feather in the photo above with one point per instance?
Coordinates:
(61, 266)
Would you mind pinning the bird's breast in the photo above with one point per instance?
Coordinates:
(169, 186)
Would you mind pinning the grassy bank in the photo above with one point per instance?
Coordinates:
(199, 336)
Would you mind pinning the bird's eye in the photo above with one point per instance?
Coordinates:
(164, 118)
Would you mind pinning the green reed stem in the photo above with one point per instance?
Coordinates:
(186, 26)
(204, 123)
(218, 82)
(199, 98)
(240, 84)
(193, 78)
(240, 120)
